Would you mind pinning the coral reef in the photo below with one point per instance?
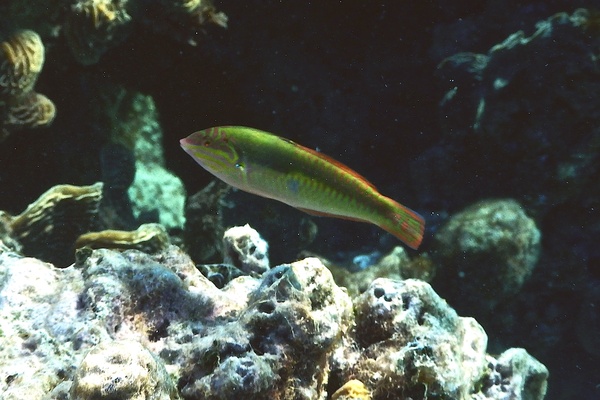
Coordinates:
(21, 61)
(30, 110)
(133, 325)
(517, 121)
(48, 228)
(117, 165)
(485, 254)
(182, 19)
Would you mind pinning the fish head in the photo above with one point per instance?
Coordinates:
(217, 152)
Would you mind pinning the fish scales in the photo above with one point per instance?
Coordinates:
(274, 167)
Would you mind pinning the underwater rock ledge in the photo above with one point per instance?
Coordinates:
(131, 325)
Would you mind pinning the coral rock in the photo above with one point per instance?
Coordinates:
(156, 194)
(220, 274)
(409, 343)
(21, 61)
(514, 375)
(106, 326)
(486, 253)
(278, 347)
(124, 370)
(244, 248)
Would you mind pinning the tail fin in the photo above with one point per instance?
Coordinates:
(405, 224)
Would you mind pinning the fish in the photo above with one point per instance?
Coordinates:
(274, 167)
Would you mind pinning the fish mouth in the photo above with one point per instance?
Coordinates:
(206, 159)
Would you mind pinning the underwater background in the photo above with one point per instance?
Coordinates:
(482, 116)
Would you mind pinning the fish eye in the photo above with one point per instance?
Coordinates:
(239, 166)
(206, 143)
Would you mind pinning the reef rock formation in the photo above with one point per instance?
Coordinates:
(138, 326)
(122, 369)
(521, 118)
(408, 342)
(246, 249)
(485, 254)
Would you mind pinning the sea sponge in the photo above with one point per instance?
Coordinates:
(21, 61)
(95, 26)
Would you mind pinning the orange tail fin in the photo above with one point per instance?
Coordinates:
(406, 225)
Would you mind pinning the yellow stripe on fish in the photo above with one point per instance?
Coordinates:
(277, 168)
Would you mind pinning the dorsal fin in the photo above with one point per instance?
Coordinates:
(330, 160)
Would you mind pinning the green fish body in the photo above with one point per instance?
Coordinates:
(267, 165)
